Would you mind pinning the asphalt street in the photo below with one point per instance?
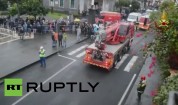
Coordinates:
(68, 66)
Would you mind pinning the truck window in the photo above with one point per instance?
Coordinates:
(123, 30)
(132, 17)
(112, 32)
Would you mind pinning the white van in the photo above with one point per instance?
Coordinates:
(133, 17)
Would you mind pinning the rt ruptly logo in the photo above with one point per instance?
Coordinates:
(13, 87)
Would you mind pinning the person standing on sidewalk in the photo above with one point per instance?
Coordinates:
(60, 37)
(78, 33)
(42, 56)
(56, 38)
(64, 39)
(53, 40)
(21, 33)
(141, 87)
(136, 24)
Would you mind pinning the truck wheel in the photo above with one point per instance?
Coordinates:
(116, 59)
(120, 56)
(128, 47)
(115, 63)
(125, 49)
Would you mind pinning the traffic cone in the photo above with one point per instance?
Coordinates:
(149, 75)
(153, 93)
(151, 71)
(153, 58)
(139, 34)
(151, 66)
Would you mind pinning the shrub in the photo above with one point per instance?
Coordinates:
(170, 84)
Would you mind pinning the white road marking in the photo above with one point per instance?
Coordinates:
(131, 63)
(66, 57)
(77, 50)
(81, 54)
(27, 94)
(9, 41)
(122, 61)
(127, 89)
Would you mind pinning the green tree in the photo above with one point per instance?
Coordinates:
(166, 5)
(165, 46)
(135, 6)
(13, 9)
(166, 43)
(30, 7)
(34, 8)
(122, 3)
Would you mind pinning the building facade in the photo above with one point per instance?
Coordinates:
(77, 6)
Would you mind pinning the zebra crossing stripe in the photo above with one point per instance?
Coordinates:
(131, 63)
(77, 50)
(81, 54)
(122, 61)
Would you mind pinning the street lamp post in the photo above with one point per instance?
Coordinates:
(130, 6)
(52, 5)
(8, 4)
(18, 8)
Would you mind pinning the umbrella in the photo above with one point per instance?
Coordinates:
(84, 20)
(77, 20)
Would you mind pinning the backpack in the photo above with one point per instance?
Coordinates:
(139, 87)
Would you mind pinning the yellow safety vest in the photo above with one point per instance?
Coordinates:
(42, 53)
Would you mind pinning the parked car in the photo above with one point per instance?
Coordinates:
(133, 17)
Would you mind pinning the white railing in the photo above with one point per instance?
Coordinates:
(7, 34)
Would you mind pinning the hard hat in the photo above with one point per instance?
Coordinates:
(41, 47)
(143, 77)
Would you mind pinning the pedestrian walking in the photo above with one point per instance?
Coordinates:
(60, 37)
(42, 56)
(25, 28)
(65, 39)
(78, 33)
(136, 24)
(89, 31)
(53, 39)
(21, 33)
(141, 87)
(98, 38)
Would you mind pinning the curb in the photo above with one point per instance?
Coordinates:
(20, 69)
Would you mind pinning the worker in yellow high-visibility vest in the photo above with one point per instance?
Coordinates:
(141, 87)
(42, 56)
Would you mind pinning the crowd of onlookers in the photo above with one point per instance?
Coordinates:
(27, 25)
(42, 25)
(58, 29)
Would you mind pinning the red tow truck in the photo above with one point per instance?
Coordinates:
(116, 43)
(106, 16)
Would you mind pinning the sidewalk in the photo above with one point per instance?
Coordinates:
(16, 55)
(153, 80)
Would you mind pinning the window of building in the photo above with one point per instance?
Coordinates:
(72, 4)
(61, 3)
(51, 2)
